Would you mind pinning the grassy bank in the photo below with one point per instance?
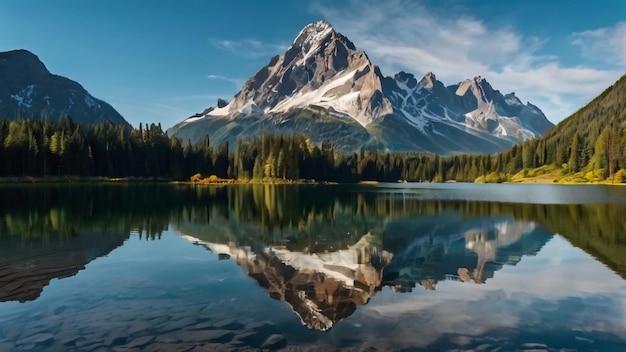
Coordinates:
(547, 174)
(550, 174)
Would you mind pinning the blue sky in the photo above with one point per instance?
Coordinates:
(162, 61)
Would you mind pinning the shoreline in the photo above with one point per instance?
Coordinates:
(43, 180)
(139, 180)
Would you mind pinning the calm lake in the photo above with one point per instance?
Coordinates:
(388, 267)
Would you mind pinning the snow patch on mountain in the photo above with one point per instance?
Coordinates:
(316, 97)
(220, 112)
(486, 118)
(337, 94)
(91, 102)
(417, 121)
(323, 71)
(511, 99)
(326, 263)
(194, 119)
(403, 83)
(24, 97)
(311, 37)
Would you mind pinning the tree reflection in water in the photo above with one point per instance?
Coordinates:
(324, 250)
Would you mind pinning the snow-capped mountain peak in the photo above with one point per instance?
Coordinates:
(428, 81)
(313, 35)
(321, 68)
(322, 80)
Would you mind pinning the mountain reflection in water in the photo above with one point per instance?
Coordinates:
(357, 265)
(27, 266)
(325, 287)
(434, 248)
(321, 288)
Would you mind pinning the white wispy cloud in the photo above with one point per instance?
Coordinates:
(236, 81)
(251, 48)
(402, 35)
(607, 44)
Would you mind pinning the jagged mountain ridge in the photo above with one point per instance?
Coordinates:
(320, 288)
(323, 86)
(28, 90)
(320, 64)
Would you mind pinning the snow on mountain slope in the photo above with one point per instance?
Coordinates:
(323, 73)
(491, 114)
(29, 90)
(344, 95)
(322, 68)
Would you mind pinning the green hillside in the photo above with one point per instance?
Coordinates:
(590, 144)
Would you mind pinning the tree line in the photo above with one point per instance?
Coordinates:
(42, 148)
(590, 143)
(36, 148)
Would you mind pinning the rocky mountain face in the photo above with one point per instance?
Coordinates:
(322, 288)
(28, 90)
(324, 87)
(321, 68)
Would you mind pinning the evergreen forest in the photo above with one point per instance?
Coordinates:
(590, 145)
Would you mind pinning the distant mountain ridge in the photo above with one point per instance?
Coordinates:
(28, 90)
(324, 87)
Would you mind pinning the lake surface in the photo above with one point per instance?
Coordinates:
(390, 267)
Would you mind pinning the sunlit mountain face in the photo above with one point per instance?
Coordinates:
(327, 89)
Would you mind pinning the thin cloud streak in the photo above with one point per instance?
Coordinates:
(250, 48)
(456, 47)
(236, 81)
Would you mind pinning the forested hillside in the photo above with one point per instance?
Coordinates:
(589, 145)
(592, 140)
(36, 148)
